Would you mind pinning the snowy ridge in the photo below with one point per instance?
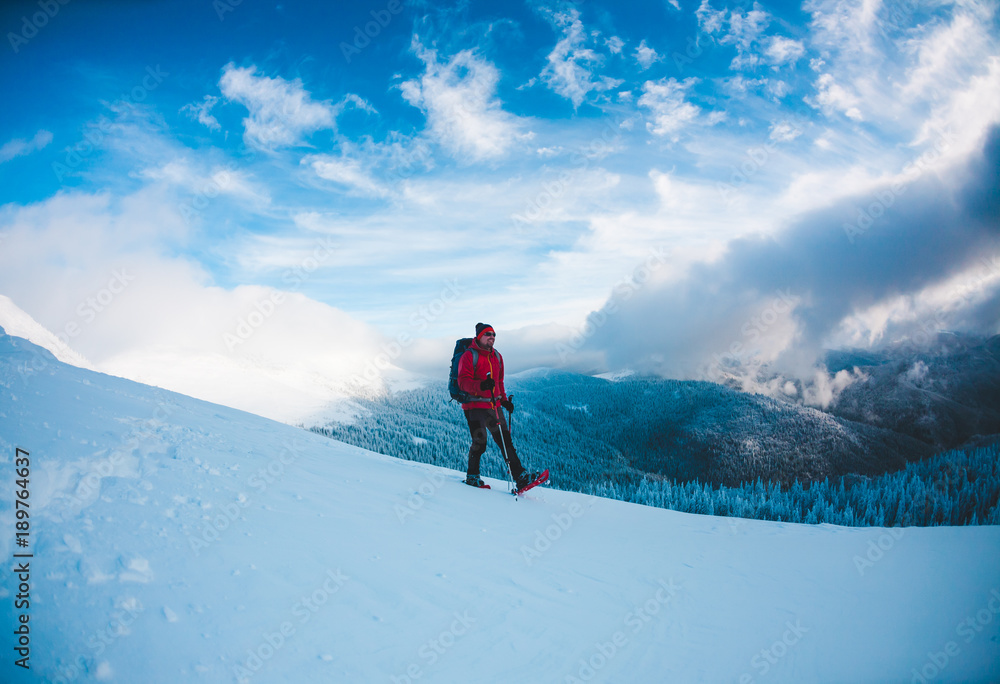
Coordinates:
(539, 372)
(177, 540)
(15, 321)
(615, 376)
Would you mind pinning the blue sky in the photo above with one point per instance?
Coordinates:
(609, 184)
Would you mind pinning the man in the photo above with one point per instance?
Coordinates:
(485, 381)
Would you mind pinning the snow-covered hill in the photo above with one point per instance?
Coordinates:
(174, 540)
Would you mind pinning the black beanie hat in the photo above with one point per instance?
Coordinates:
(480, 327)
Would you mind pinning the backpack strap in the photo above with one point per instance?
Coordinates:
(475, 357)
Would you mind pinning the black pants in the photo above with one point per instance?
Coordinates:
(483, 422)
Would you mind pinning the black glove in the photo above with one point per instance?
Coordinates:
(487, 384)
(508, 404)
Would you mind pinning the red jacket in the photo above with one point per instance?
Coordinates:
(469, 377)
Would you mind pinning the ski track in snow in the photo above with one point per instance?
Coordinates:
(176, 540)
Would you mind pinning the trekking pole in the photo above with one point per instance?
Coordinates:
(510, 420)
(503, 449)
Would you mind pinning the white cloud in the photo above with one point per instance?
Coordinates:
(282, 113)
(202, 112)
(744, 60)
(890, 64)
(943, 305)
(962, 120)
(826, 389)
(669, 110)
(463, 112)
(741, 85)
(716, 117)
(847, 26)
(831, 97)
(570, 68)
(645, 55)
(19, 147)
(778, 88)
(710, 20)
(744, 30)
(784, 131)
(570, 199)
(615, 45)
(196, 177)
(347, 172)
(946, 57)
(104, 274)
(826, 185)
(781, 50)
(918, 372)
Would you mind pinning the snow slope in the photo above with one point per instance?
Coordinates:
(174, 540)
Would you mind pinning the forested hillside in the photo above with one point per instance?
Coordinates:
(699, 430)
(952, 488)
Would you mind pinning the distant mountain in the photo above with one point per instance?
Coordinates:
(944, 393)
(699, 430)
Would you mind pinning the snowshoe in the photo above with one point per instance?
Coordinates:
(530, 480)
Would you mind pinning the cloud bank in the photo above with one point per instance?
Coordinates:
(781, 299)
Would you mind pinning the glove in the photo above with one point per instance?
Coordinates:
(508, 404)
(487, 384)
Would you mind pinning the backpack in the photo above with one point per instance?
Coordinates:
(461, 346)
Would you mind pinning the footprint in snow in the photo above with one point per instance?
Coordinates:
(72, 543)
(137, 570)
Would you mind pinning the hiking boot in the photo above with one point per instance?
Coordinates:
(476, 481)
